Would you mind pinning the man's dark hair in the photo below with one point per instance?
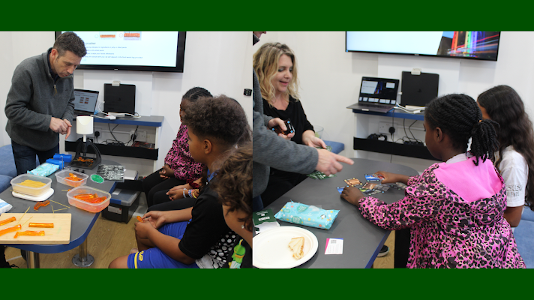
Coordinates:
(69, 41)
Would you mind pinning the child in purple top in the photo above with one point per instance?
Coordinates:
(175, 179)
(454, 209)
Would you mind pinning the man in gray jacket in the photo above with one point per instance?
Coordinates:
(271, 150)
(40, 101)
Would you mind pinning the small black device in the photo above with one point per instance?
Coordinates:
(418, 90)
(289, 126)
(119, 98)
(247, 92)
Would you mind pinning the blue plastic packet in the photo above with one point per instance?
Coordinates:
(44, 169)
(4, 206)
(309, 215)
(64, 157)
(59, 162)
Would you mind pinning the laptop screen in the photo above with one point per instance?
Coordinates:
(379, 90)
(85, 100)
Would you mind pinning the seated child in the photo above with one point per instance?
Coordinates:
(515, 158)
(180, 169)
(455, 208)
(234, 186)
(195, 237)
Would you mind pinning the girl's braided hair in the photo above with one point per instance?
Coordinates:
(459, 116)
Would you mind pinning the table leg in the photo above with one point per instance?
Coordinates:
(32, 260)
(82, 259)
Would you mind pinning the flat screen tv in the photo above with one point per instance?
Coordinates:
(156, 51)
(482, 45)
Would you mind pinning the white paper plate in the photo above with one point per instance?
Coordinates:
(271, 248)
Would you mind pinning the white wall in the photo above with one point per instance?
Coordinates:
(217, 61)
(330, 79)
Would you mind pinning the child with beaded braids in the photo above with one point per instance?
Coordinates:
(455, 208)
(196, 237)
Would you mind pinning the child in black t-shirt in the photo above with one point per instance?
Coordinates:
(198, 236)
(234, 186)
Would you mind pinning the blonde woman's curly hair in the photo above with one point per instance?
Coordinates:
(265, 62)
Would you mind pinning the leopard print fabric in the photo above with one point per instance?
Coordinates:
(446, 231)
(180, 160)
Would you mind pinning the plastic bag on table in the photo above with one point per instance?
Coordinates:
(309, 215)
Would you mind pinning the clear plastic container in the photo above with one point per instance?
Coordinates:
(90, 207)
(62, 177)
(19, 186)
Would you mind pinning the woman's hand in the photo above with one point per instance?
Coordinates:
(309, 138)
(166, 172)
(177, 192)
(393, 177)
(279, 122)
(352, 195)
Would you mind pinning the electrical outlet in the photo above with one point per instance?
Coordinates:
(141, 136)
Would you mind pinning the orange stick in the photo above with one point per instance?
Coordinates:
(10, 229)
(8, 220)
(30, 233)
(41, 225)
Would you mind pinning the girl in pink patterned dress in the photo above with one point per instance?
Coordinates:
(176, 178)
(455, 208)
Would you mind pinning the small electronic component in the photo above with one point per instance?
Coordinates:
(289, 126)
(353, 181)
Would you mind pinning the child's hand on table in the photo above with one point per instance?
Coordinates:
(352, 195)
(393, 177)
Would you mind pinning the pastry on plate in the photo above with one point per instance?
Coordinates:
(297, 246)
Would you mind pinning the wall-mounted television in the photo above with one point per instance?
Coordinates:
(156, 51)
(482, 45)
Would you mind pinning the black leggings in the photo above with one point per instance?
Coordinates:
(402, 248)
(153, 184)
(173, 205)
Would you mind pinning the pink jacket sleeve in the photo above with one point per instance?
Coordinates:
(418, 205)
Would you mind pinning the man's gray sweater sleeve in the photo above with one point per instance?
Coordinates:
(18, 101)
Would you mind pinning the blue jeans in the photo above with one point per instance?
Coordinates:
(25, 157)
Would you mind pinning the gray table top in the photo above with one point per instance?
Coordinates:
(81, 222)
(362, 240)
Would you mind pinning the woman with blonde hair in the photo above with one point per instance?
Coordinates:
(276, 67)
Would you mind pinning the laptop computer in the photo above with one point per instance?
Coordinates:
(377, 95)
(85, 102)
(418, 90)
